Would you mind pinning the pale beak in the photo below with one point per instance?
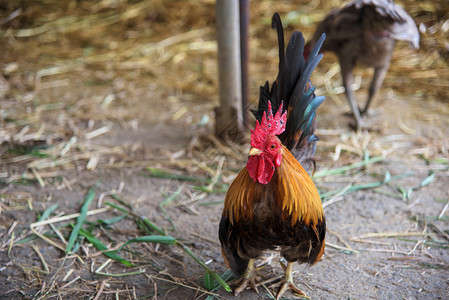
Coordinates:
(254, 151)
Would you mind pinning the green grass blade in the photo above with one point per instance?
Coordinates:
(348, 168)
(209, 282)
(166, 202)
(199, 261)
(163, 174)
(162, 237)
(171, 198)
(387, 177)
(159, 239)
(47, 212)
(427, 180)
(121, 274)
(124, 210)
(123, 202)
(152, 226)
(211, 203)
(211, 191)
(146, 259)
(102, 247)
(79, 222)
(388, 194)
(221, 282)
(112, 220)
(226, 276)
(371, 185)
(27, 239)
(441, 160)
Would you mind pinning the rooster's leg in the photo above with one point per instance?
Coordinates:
(376, 83)
(288, 283)
(248, 277)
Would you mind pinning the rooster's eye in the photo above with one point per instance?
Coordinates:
(272, 146)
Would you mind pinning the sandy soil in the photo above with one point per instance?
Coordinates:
(381, 245)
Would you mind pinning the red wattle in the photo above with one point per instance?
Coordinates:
(260, 168)
(253, 167)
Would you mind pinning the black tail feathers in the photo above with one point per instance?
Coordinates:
(294, 89)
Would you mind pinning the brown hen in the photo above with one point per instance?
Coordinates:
(365, 32)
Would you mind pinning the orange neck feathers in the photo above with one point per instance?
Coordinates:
(296, 192)
(293, 190)
(240, 197)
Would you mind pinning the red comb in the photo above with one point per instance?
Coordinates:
(269, 125)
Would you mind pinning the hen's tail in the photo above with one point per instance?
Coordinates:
(294, 89)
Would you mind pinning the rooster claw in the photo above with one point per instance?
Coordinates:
(248, 277)
(287, 283)
(290, 286)
(244, 284)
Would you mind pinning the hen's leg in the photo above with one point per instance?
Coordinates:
(248, 277)
(376, 83)
(287, 283)
(346, 67)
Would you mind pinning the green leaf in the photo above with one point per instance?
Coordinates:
(124, 210)
(112, 220)
(211, 191)
(427, 180)
(365, 156)
(403, 192)
(159, 239)
(152, 226)
(364, 186)
(102, 247)
(209, 282)
(166, 202)
(123, 202)
(441, 160)
(221, 282)
(79, 222)
(163, 174)
(27, 239)
(47, 212)
(121, 274)
(199, 261)
(348, 168)
(387, 177)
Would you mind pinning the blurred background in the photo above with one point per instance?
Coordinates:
(94, 64)
(120, 95)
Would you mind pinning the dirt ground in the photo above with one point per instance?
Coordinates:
(118, 98)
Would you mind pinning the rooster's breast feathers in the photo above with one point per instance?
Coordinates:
(292, 188)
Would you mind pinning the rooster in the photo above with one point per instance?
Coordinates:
(365, 32)
(273, 203)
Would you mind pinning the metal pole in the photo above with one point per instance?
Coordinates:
(244, 56)
(228, 116)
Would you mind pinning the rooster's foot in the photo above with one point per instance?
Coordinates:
(246, 282)
(290, 286)
(248, 279)
(287, 283)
